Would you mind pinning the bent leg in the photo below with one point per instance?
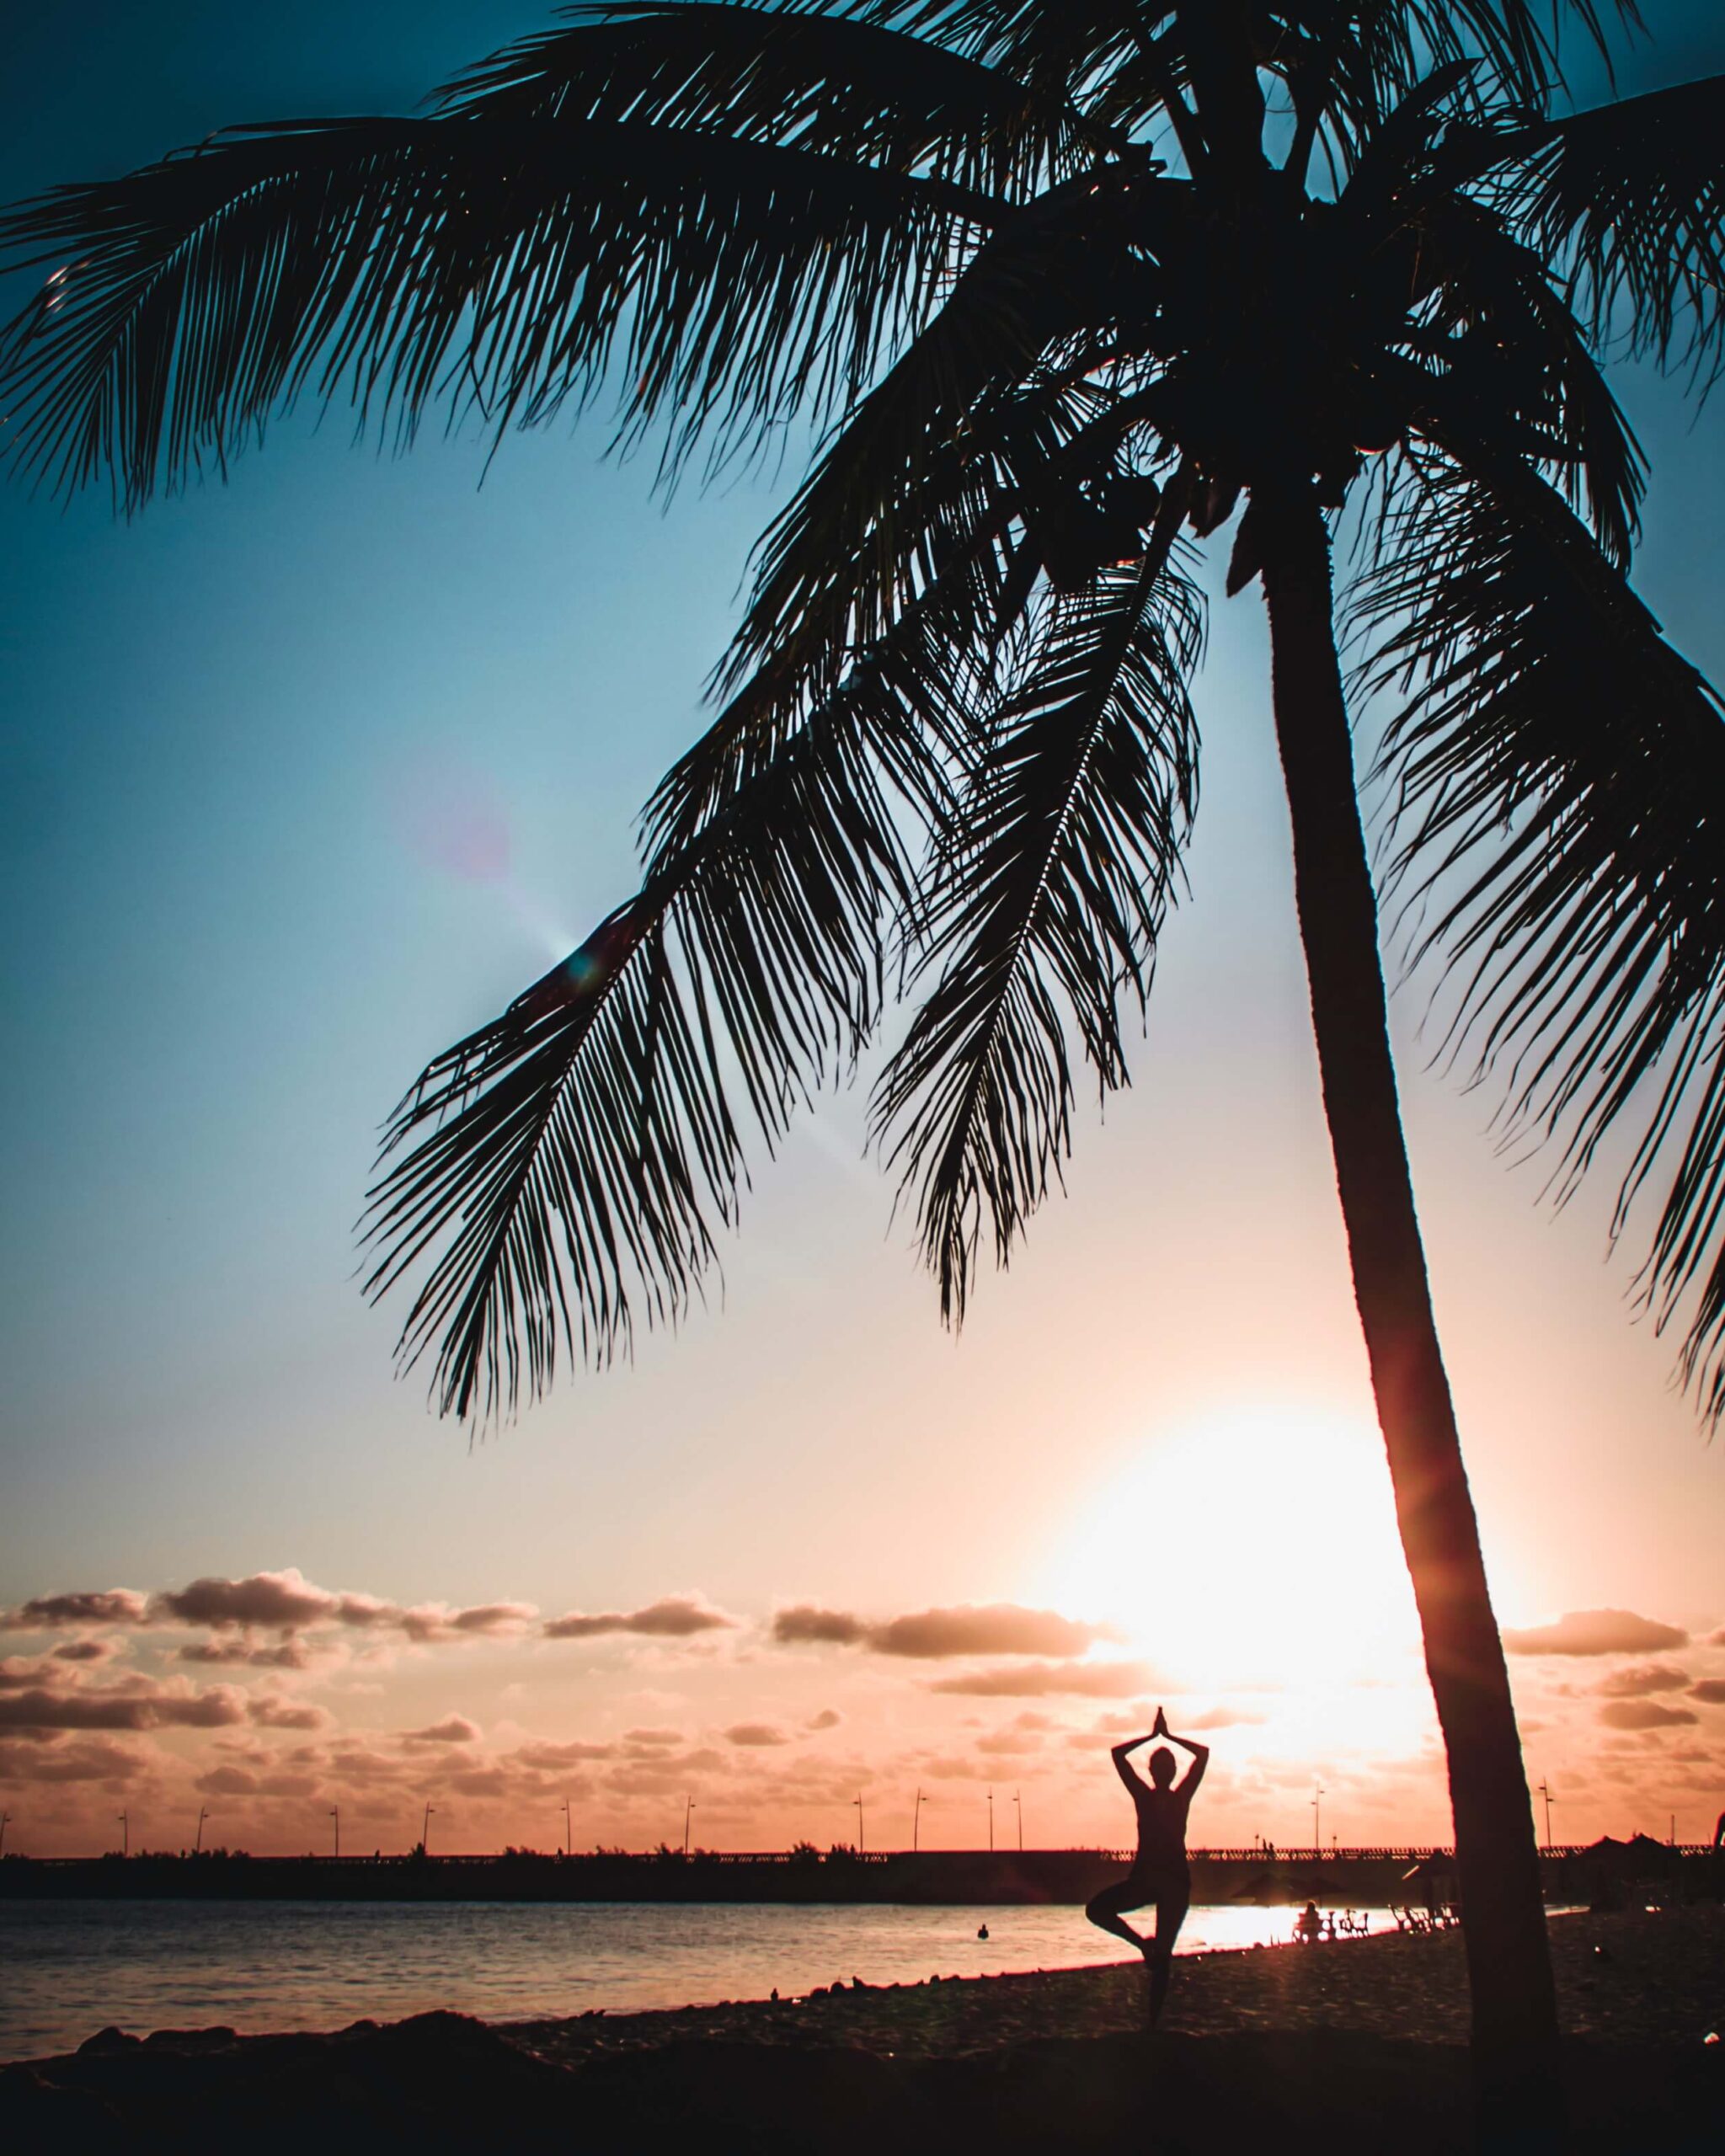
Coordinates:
(1107, 1911)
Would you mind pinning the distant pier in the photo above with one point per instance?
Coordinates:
(1334, 1878)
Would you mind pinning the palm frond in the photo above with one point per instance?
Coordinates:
(570, 1163)
(500, 264)
(971, 390)
(1055, 878)
(1630, 197)
(812, 76)
(1520, 366)
(1558, 794)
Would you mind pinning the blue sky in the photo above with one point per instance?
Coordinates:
(306, 775)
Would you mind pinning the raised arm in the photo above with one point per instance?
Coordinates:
(1200, 1755)
(1121, 1756)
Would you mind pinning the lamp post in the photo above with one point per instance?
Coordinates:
(916, 1822)
(335, 1814)
(569, 1844)
(991, 1822)
(862, 1840)
(5, 1821)
(1317, 1821)
(1018, 1806)
(198, 1839)
(1545, 1791)
(425, 1831)
(688, 1814)
(124, 1833)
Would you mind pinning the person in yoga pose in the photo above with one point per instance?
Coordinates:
(1159, 1874)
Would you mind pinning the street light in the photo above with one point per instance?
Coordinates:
(916, 1822)
(335, 1814)
(1545, 1791)
(688, 1814)
(990, 1821)
(425, 1831)
(1318, 1820)
(198, 1840)
(569, 1845)
(862, 1842)
(124, 1833)
(1019, 1804)
(5, 1821)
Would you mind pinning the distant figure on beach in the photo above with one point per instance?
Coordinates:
(1309, 1925)
(1159, 1874)
(1719, 1832)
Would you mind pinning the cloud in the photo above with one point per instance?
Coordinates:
(235, 1781)
(544, 1757)
(672, 1617)
(492, 1618)
(1645, 1714)
(1646, 1677)
(804, 1625)
(653, 1737)
(1228, 1718)
(453, 1729)
(1597, 1631)
(113, 1605)
(285, 1601)
(135, 1707)
(1711, 1691)
(828, 1718)
(83, 1759)
(274, 1713)
(753, 1734)
(1035, 1680)
(241, 1654)
(1010, 1743)
(939, 1635)
(85, 1650)
(997, 1628)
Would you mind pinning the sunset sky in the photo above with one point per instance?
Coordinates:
(305, 776)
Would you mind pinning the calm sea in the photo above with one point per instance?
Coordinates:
(69, 1968)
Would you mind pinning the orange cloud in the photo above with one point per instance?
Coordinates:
(1597, 1631)
(135, 1707)
(453, 1729)
(1644, 1713)
(1647, 1677)
(673, 1617)
(940, 1635)
(114, 1605)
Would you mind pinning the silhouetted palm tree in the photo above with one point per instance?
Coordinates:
(1070, 283)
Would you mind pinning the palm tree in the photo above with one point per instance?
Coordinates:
(1071, 286)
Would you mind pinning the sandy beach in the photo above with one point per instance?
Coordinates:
(1360, 2044)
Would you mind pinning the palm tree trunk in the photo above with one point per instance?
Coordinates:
(1509, 1959)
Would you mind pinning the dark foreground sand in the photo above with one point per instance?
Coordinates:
(1356, 2045)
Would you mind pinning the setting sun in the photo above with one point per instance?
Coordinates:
(1255, 1545)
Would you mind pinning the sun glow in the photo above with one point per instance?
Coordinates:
(1254, 1547)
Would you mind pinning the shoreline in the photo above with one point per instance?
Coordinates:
(1260, 2043)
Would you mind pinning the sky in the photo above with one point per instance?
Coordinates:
(306, 775)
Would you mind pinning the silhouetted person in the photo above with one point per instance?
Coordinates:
(1719, 1832)
(1160, 1875)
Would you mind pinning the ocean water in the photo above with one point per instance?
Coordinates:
(69, 1968)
